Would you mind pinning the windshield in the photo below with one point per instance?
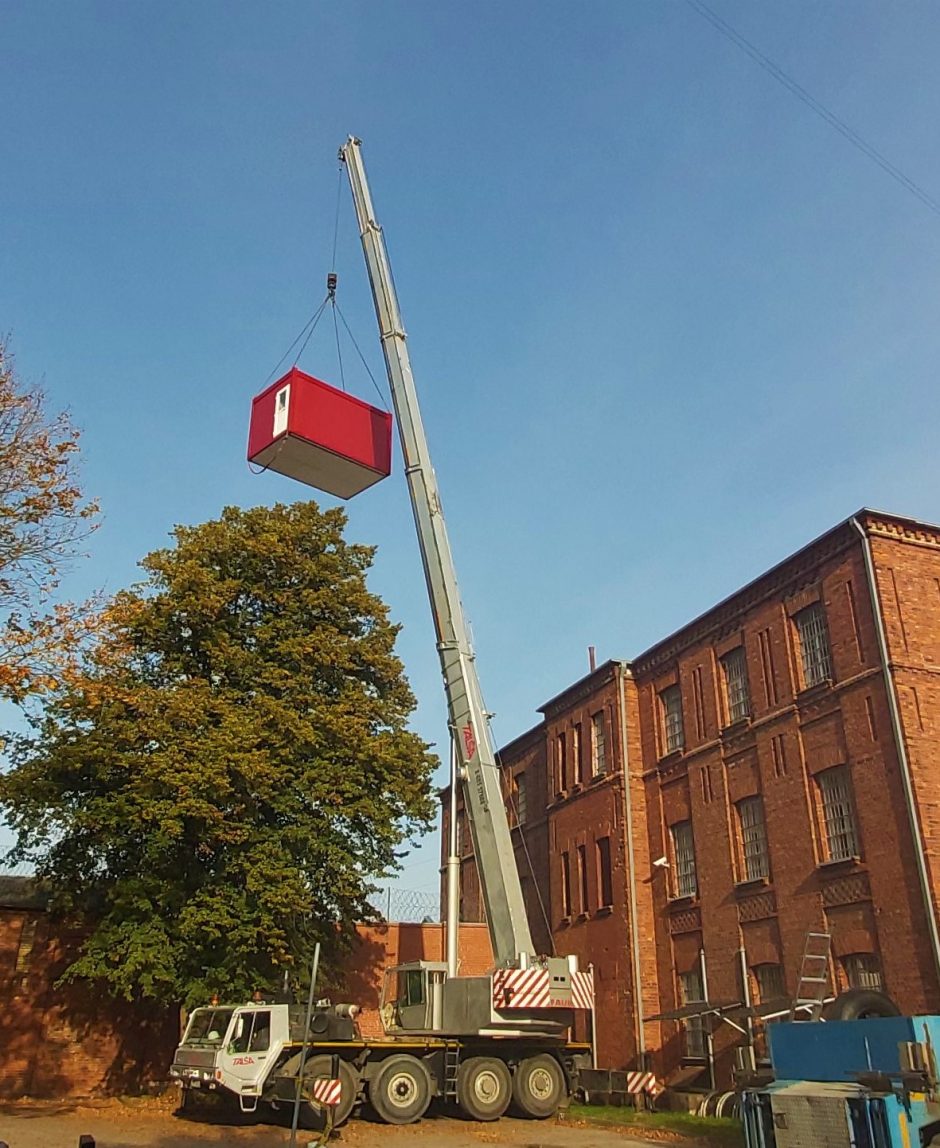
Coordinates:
(208, 1025)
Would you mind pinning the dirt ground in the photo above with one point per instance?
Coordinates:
(152, 1124)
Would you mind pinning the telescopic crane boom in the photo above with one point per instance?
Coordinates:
(477, 768)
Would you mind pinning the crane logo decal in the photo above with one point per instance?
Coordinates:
(469, 740)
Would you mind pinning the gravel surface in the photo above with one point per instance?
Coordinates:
(152, 1124)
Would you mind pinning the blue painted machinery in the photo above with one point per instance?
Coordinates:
(848, 1084)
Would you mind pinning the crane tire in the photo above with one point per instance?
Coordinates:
(321, 1068)
(538, 1087)
(860, 1004)
(484, 1087)
(401, 1090)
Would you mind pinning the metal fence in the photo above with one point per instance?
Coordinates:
(412, 906)
(409, 905)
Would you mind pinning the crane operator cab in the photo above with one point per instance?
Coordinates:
(419, 997)
(413, 997)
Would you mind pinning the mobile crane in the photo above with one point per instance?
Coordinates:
(483, 1041)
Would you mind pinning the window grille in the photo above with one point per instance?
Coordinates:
(583, 877)
(735, 669)
(604, 879)
(521, 799)
(561, 758)
(838, 814)
(814, 645)
(756, 863)
(598, 745)
(863, 971)
(683, 848)
(671, 700)
(770, 986)
(577, 754)
(690, 988)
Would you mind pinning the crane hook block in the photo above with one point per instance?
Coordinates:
(331, 283)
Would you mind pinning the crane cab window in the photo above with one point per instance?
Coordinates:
(411, 987)
(252, 1032)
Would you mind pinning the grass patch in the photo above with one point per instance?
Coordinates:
(725, 1132)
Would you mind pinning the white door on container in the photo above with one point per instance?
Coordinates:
(281, 406)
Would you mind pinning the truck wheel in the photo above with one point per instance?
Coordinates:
(321, 1068)
(484, 1087)
(400, 1091)
(860, 1004)
(538, 1087)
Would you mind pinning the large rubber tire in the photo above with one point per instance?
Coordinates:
(484, 1087)
(860, 1004)
(401, 1090)
(321, 1068)
(538, 1087)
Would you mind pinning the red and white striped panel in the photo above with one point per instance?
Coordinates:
(644, 1082)
(521, 988)
(582, 990)
(327, 1091)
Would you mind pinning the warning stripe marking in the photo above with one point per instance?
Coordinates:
(531, 988)
(327, 1091)
(644, 1082)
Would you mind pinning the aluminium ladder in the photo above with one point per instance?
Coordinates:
(813, 985)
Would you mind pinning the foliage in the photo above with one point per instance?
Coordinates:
(43, 520)
(216, 789)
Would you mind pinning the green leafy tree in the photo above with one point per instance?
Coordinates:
(214, 792)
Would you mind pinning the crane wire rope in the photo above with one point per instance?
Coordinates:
(362, 357)
(311, 324)
(814, 105)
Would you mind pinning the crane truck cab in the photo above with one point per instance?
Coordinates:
(249, 1051)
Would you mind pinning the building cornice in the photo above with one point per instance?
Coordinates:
(579, 690)
(782, 580)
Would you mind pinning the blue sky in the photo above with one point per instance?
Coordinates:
(666, 325)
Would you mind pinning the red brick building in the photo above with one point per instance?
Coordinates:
(783, 777)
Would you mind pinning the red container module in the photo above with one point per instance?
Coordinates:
(310, 431)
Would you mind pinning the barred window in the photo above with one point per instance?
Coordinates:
(814, 644)
(565, 885)
(577, 753)
(583, 877)
(561, 762)
(598, 745)
(770, 984)
(734, 666)
(605, 883)
(521, 799)
(863, 971)
(754, 857)
(690, 989)
(683, 849)
(835, 789)
(671, 701)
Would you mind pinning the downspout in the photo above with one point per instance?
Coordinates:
(622, 669)
(891, 690)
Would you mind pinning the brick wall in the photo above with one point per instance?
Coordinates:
(67, 1041)
(384, 945)
(57, 1042)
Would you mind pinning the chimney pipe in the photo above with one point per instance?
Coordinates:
(592, 658)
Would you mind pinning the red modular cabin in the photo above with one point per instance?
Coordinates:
(306, 429)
